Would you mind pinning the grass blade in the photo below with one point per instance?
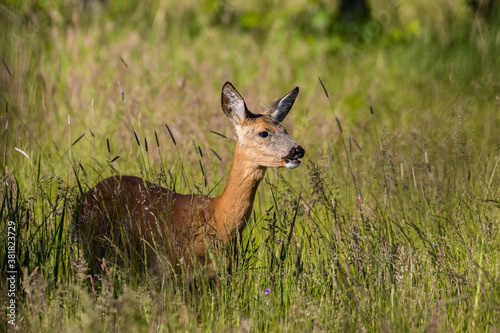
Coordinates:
(137, 139)
(324, 89)
(74, 143)
(222, 135)
(171, 135)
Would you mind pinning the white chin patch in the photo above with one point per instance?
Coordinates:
(292, 164)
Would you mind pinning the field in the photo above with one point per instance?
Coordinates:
(391, 223)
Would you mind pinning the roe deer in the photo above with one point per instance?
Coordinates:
(152, 219)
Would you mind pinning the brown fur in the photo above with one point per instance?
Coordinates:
(152, 219)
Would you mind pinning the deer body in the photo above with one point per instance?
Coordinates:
(153, 219)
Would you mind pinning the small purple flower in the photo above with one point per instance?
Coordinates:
(267, 291)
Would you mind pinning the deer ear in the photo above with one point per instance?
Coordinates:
(280, 108)
(233, 104)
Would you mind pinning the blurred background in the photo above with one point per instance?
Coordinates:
(114, 67)
(390, 224)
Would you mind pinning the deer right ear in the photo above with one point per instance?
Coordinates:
(280, 108)
(233, 104)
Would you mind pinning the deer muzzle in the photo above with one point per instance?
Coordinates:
(292, 159)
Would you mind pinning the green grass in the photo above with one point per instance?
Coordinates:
(390, 224)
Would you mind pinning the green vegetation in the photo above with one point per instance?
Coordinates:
(392, 223)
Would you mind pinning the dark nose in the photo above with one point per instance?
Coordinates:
(297, 152)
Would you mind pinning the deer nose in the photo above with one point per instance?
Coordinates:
(297, 152)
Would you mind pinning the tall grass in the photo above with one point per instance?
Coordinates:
(391, 223)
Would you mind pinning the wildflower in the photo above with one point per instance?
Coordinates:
(267, 291)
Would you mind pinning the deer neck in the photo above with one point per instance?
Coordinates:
(234, 206)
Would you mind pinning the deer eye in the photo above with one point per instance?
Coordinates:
(263, 134)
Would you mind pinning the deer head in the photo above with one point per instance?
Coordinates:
(261, 137)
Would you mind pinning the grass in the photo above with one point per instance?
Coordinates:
(390, 224)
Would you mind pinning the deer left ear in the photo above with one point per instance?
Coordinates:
(233, 104)
(279, 109)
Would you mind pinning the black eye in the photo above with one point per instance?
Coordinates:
(263, 134)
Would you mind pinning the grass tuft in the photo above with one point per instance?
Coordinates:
(400, 234)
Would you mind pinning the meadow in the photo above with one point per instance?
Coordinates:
(391, 223)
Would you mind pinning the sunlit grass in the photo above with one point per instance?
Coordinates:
(389, 224)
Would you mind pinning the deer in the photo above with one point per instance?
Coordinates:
(156, 221)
